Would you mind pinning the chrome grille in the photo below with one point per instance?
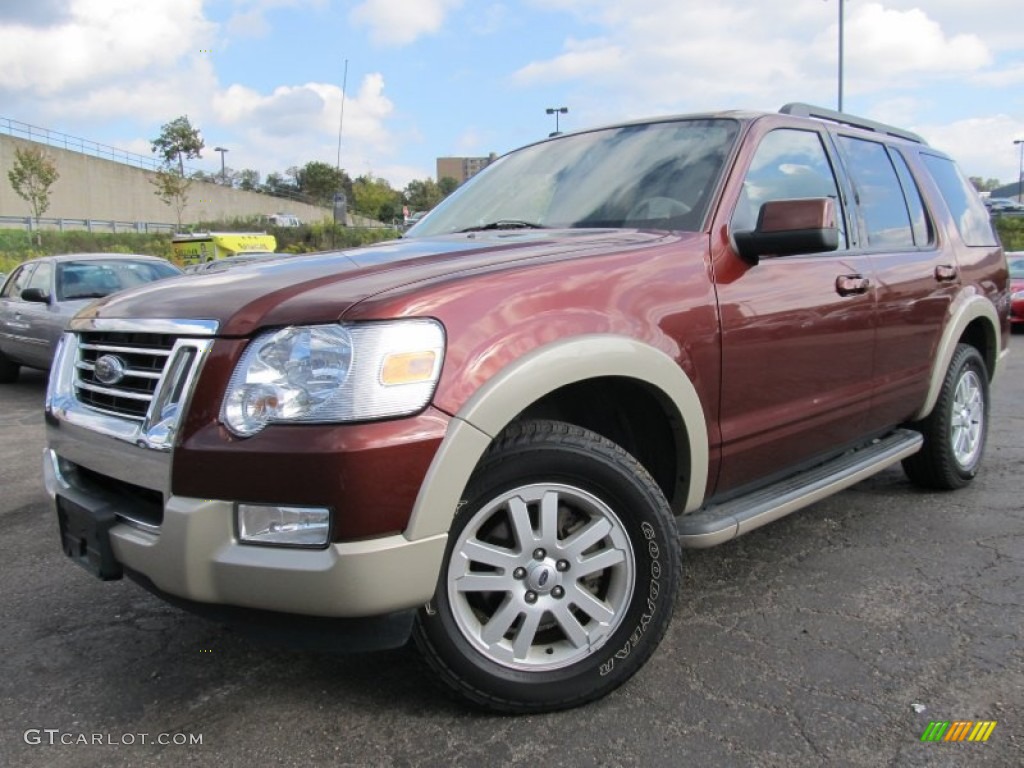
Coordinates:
(143, 357)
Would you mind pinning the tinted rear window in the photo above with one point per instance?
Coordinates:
(968, 211)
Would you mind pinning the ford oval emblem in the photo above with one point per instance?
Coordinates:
(109, 369)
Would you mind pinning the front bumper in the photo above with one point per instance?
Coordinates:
(194, 554)
(112, 479)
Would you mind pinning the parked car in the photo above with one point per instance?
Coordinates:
(1016, 260)
(283, 220)
(41, 295)
(414, 218)
(1003, 205)
(230, 262)
(493, 436)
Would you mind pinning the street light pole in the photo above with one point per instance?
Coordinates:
(223, 170)
(556, 111)
(1020, 171)
(841, 15)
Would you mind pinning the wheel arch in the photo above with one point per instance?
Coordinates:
(544, 377)
(974, 321)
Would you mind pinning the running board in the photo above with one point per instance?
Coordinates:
(710, 526)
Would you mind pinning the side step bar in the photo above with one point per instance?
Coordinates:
(710, 526)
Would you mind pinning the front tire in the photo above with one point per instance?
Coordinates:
(559, 577)
(8, 370)
(956, 429)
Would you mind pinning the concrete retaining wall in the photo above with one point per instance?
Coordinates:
(95, 188)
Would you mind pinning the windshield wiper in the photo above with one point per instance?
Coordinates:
(505, 224)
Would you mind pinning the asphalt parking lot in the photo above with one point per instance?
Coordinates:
(832, 637)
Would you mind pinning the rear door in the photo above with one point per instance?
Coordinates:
(917, 280)
(798, 332)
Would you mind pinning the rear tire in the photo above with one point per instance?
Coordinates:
(559, 577)
(955, 431)
(8, 370)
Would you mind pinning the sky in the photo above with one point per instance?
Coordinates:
(430, 78)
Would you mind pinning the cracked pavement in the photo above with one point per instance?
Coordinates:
(806, 643)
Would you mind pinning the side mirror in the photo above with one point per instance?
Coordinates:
(791, 227)
(37, 295)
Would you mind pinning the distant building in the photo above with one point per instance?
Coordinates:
(462, 168)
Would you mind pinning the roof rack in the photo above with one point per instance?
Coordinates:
(798, 109)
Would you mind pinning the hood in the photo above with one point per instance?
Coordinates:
(320, 288)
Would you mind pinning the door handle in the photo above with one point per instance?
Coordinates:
(852, 285)
(945, 273)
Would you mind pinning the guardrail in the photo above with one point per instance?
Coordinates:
(89, 225)
(77, 144)
(107, 152)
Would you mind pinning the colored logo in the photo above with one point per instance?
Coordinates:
(958, 730)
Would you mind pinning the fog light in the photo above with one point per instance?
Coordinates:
(282, 526)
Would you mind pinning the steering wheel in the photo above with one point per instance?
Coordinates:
(657, 208)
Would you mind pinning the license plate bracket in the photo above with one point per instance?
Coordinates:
(85, 538)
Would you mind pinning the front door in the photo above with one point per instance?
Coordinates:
(798, 332)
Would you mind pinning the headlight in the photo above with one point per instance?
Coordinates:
(334, 373)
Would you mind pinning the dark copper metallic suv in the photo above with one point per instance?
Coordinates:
(494, 434)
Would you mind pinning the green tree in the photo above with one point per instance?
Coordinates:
(172, 188)
(374, 197)
(984, 185)
(276, 184)
(31, 176)
(447, 185)
(178, 140)
(249, 179)
(422, 194)
(320, 181)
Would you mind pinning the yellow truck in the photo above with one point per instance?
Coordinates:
(201, 247)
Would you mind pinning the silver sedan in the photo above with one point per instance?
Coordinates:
(40, 296)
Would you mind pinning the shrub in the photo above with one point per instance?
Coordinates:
(1011, 232)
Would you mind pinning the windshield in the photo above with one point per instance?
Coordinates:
(1017, 268)
(656, 175)
(94, 279)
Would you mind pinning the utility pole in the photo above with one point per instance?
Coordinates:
(1020, 171)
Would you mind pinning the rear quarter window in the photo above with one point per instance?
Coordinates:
(969, 213)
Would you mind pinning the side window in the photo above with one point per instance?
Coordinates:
(17, 282)
(972, 220)
(789, 164)
(879, 194)
(918, 218)
(41, 278)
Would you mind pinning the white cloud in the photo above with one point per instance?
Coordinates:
(982, 146)
(676, 56)
(250, 17)
(157, 96)
(1008, 77)
(295, 124)
(885, 43)
(400, 23)
(96, 40)
(313, 108)
(582, 59)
